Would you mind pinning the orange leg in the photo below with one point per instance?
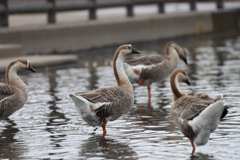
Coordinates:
(135, 71)
(191, 140)
(104, 126)
(91, 107)
(149, 94)
(141, 81)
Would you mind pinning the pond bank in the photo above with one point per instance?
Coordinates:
(93, 35)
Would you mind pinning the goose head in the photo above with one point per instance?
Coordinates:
(15, 66)
(178, 76)
(181, 52)
(18, 65)
(21, 64)
(126, 50)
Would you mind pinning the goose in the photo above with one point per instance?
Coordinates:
(97, 107)
(196, 114)
(13, 93)
(148, 69)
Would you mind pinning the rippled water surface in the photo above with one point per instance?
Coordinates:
(48, 126)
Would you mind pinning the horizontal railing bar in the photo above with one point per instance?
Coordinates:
(70, 6)
(29, 8)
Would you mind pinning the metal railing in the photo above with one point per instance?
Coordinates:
(51, 7)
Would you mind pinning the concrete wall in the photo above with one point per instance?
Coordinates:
(100, 33)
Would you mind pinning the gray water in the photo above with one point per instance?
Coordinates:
(48, 126)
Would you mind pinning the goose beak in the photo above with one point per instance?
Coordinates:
(135, 51)
(31, 68)
(188, 82)
(185, 60)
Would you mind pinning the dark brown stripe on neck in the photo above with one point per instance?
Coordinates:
(174, 87)
(114, 65)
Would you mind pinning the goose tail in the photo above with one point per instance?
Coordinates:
(82, 105)
(207, 121)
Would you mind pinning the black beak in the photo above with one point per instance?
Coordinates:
(185, 60)
(31, 68)
(135, 51)
(187, 81)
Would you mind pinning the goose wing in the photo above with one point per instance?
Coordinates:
(6, 91)
(188, 107)
(114, 101)
(146, 60)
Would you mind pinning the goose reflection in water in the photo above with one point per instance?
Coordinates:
(54, 114)
(9, 146)
(200, 156)
(106, 148)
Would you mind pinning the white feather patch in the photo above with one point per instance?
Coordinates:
(4, 99)
(28, 62)
(207, 121)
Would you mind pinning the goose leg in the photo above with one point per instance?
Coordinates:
(135, 71)
(149, 94)
(141, 81)
(191, 140)
(104, 126)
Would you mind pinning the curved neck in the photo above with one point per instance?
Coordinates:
(177, 93)
(121, 77)
(14, 80)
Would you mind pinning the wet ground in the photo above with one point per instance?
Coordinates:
(48, 126)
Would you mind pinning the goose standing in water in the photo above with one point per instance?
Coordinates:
(147, 69)
(13, 94)
(99, 106)
(197, 115)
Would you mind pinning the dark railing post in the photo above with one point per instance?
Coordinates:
(192, 5)
(51, 14)
(219, 4)
(4, 15)
(130, 9)
(92, 11)
(160, 7)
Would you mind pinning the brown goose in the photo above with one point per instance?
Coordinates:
(99, 106)
(14, 94)
(197, 115)
(147, 69)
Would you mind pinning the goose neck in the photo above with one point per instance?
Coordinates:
(13, 79)
(177, 93)
(173, 56)
(121, 77)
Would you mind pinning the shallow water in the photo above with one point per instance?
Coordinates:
(48, 126)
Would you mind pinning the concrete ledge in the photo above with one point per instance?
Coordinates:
(74, 37)
(88, 35)
(10, 50)
(41, 61)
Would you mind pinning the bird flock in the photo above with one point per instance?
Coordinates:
(196, 114)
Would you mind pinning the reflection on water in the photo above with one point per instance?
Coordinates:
(99, 147)
(7, 139)
(48, 126)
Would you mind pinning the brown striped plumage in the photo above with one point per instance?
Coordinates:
(116, 100)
